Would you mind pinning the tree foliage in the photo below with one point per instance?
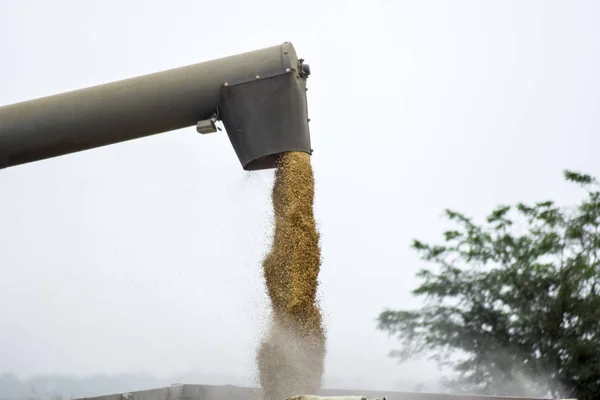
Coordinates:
(512, 305)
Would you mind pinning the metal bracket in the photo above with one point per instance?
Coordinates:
(209, 125)
(285, 48)
(270, 74)
(303, 69)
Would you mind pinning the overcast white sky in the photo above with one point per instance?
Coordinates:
(145, 256)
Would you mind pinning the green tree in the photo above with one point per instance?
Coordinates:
(512, 305)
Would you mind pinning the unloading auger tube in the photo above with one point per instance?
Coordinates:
(259, 96)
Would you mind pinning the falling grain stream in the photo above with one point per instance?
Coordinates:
(290, 357)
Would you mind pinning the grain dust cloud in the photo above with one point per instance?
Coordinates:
(291, 356)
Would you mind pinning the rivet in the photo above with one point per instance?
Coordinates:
(288, 70)
(226, 83)
(257, 76)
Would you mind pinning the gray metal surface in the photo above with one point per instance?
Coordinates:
(266, 117)
(203, 392)
(129, 109)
